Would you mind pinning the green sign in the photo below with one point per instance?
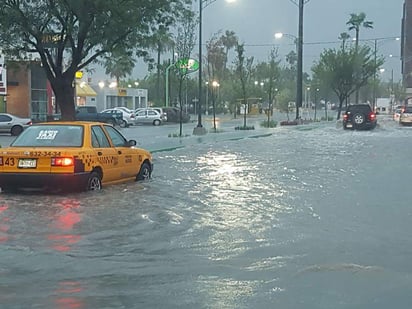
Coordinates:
(187, 65)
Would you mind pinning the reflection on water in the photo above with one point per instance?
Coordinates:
(63, 224)
(68, 295)
(4, 224)
(223, 225)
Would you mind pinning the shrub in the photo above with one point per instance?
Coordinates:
(270, 124)
(245, 128)
(177, 135)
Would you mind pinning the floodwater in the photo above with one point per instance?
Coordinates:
(308, 217)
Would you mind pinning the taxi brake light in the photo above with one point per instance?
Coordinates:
(372, 116)
(62, 161)
(345, 117)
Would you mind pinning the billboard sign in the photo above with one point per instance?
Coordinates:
(3, 77)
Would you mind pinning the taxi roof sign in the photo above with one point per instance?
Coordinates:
(79, 74)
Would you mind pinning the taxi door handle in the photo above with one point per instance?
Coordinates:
(99, 153)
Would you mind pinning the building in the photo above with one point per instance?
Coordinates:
(131, 98)
(26, 92)
(406, 48)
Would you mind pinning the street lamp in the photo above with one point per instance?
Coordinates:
(299, 50)
(199, 129)
(375, 61)
(215, 86)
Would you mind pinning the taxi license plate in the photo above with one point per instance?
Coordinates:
(27, 163)
(349, 125)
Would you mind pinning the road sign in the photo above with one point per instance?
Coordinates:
(187, 65)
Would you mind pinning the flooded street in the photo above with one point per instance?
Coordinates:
(305, 217)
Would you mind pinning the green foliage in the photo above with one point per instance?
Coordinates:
(217, 130)
(178, 135)
(346, 71)
(244, 128)
(69, 35)
(270, 124)
(330, 118)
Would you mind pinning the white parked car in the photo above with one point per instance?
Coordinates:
(161, 111)
(129, 116)
(397, 114)
(148, 116)
(406, 116)
(13, 124)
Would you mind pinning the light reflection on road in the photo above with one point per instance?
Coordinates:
(225, 225)
(64, 226)
(4, 224)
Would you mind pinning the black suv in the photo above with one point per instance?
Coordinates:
(359, 117)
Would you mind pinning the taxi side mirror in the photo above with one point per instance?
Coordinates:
(131, 143)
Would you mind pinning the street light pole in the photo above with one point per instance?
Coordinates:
(300, 60)
(374, 75)
(199, 129)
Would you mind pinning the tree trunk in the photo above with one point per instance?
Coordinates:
(65, 93)
(180, 107)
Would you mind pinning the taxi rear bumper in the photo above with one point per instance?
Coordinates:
(43, 181)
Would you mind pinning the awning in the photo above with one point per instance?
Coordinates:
(84, 90)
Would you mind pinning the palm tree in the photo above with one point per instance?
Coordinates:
(229, 40)
(119, 64)
(344, 36)
(355, 22)
(162, 41)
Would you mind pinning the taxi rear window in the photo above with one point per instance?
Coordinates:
(50, 136)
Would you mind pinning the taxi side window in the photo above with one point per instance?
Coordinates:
(99, 139)
(117, 139)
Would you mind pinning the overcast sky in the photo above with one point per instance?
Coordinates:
(256, 21)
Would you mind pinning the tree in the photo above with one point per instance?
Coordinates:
(229, 40)
(355, 22)
(119, 64)
(185, 43)
(70, 35)
(345, 71)
(269, 73)
(161, 42)
(344, 36)
(244, 69)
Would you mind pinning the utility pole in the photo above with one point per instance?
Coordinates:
(299, 81)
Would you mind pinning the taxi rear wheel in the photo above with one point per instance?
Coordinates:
(144, 173)
(94, 183)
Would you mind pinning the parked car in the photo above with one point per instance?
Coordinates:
(148, 115)
(90, 113)
(405, 117)
(128, 116)
(160, 110)
(397, 114)
(359, 117)
(173, 114)
(162, 113)
(73, 155)
(13, 124)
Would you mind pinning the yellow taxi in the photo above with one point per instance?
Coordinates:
(72, 156)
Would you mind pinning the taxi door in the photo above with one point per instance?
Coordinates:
(105, 153)
(128, 167)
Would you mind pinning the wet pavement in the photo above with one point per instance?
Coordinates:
(292, 217)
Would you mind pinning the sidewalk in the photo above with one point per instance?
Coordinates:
(225, 125)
